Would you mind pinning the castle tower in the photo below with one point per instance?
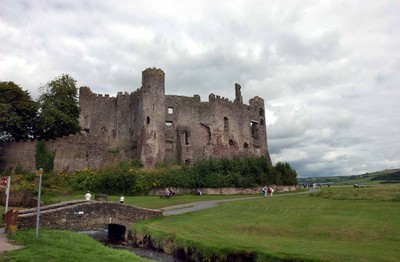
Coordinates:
(258, 126)
(153, 117)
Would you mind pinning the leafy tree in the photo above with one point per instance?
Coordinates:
(17, 112)
(287, 174)
(59, 110)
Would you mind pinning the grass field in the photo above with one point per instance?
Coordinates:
(336, 226)
(54, 245)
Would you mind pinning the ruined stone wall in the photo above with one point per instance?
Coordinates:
(71, 153)
(98, 114)
(196, 130)
(19, 153)
(152, 127)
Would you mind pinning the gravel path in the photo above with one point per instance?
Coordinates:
(196, 206)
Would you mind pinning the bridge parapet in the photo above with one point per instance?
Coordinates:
(80, 215)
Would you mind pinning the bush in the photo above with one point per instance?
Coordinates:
(129, 178)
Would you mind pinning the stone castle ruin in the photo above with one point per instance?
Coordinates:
(154, 128)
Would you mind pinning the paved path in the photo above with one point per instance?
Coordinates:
(5, 244)
(196, 206)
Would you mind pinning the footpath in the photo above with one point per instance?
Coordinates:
(196, 206)
(6, 244)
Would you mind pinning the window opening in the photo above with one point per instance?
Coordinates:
(170, 110)
(186, 137)
(226, 124)
(148, 120)
(168, 123)
(254, 130)
(261, 111)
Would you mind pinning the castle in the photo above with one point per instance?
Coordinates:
(154, 128)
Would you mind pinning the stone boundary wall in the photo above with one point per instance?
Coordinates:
(80, 215)
(225, 190)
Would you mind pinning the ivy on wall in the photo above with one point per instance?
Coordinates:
(43, 158)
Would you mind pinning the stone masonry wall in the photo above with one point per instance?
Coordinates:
(80, 215)
(150, 126)
(225, 190)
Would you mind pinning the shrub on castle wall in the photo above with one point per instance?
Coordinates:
(129, 178)
(44, 158)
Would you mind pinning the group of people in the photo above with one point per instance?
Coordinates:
(267, 191)
(168, 193)
(88, 196)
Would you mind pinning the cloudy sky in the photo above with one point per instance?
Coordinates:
(327, 70)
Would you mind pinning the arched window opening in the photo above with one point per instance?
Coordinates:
(262, 122)
(226, 124)
(147, 120)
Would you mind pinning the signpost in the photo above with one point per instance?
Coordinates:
(39, 173)
(5, 182)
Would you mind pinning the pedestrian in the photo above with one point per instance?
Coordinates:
(272, 191)
(167, 192)
(264, 191)
(121, 199)
(268, 191)
(88, 196)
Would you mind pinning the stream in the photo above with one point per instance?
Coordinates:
(100, 234)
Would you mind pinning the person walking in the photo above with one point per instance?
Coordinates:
(121, 199)
(88, 196)
(264, 191)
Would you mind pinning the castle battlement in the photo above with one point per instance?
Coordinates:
(153, 127)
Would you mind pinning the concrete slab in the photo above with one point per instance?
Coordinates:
(6, 244)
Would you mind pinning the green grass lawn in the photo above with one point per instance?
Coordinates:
(294, 227)
(336, 224)
(55, 245)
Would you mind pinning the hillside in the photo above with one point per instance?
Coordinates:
(379, 177)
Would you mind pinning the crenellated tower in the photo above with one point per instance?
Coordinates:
(152, 117)
(258, 126)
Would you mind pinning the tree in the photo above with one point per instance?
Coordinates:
(59, 109)
(17, 112)
(287, 174)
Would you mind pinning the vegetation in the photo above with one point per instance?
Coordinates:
(129, 178)
(379, 177)
(44, 158)
(335, 227)
(59, 110)
(54, 245)
(17, 112)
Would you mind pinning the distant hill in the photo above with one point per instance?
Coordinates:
(379, 177)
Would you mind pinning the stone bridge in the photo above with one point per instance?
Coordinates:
(81, 215)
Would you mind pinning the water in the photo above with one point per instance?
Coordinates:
(100, 234)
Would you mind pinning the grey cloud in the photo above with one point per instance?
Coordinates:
(327, 71)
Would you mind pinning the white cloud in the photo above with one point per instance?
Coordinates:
(327, 70)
